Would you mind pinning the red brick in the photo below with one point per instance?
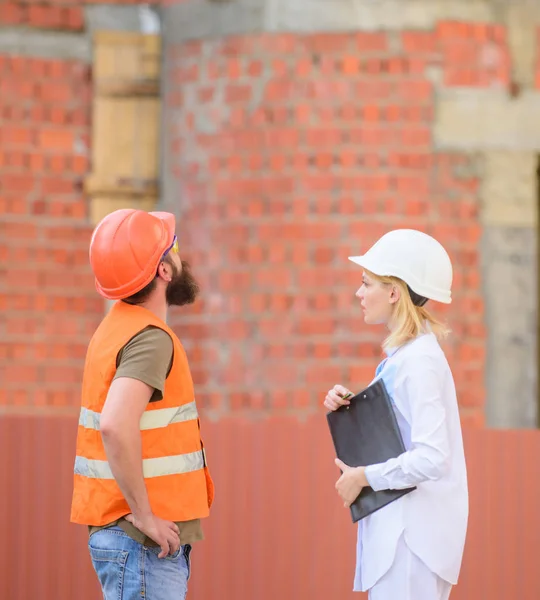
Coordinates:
(12, 13)
(55, 92)
(373, 42)
(37, 67)
(473, 418)
(79, 72)
(469, 353)
(13, 206)
(73, 18)
(370, 113)
(17, 183)
(57, 185)
(322, 350)
(359, 376)
(20, 372)
(350, 65)
(274, 276)
(471, 397)
(39, 113)
(57, 139)
(62, 374)
(419, 41)
(79, 117)
(234, 69)
(79, 164)
(414, 90)
(46, 16)
(25, 90)
(315, 326)
(20, 160)
(328, 42)
(452, 29)
(325, 377)
(58, 116)
(283, 43)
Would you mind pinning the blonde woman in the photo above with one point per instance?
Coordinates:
(412, 548)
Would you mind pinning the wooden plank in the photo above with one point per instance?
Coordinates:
(94, 185)
(128, 56)
(126, 138)
(122, 38)
(127, 88)
(103, 205)
(126, 122)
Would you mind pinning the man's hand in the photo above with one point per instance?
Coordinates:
(337, 397)
(164, 533)
(351, 482)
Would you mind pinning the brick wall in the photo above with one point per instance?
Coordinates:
(48, 305)
(61, 15)
(67, 16)
(289, 153)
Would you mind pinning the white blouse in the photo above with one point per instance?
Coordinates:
(433, 518)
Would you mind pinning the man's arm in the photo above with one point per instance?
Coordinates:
(120, 430)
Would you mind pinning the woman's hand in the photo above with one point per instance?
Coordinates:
(337, 397)
(351, 482)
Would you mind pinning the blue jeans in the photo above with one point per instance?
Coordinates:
(129, 571)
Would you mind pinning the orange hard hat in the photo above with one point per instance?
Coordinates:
(126, 249)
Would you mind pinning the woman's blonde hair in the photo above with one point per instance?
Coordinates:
(409, 320)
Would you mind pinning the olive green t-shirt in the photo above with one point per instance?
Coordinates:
(148, 358)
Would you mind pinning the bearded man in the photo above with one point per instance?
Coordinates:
(141, 482)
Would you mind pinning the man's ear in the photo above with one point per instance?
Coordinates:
(165, 271)
(395, 294)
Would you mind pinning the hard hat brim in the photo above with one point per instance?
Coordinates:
(364, 262)
(169, 220)
(433, 294)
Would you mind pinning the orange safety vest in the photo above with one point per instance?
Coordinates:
(174, 462)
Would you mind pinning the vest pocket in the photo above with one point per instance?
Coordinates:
(110, 566)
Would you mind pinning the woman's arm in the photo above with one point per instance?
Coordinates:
(428, 457)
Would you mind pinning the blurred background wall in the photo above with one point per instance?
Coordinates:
(286, 135)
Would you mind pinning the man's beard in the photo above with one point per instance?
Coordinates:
(183, 288)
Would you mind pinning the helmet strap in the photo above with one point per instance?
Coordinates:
(417, 300)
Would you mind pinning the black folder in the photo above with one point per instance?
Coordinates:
(366, 433)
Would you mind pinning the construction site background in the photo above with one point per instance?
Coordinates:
(286, 135)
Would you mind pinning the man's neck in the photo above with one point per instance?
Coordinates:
(156, 306)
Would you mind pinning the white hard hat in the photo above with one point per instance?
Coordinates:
(414, 257)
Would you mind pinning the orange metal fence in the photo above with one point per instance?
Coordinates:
(277, 530)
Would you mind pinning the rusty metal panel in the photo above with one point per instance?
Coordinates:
(501, 555)
(284, 546)
(277, 528)
(41, 555)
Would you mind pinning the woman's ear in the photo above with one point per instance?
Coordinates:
(395, 294)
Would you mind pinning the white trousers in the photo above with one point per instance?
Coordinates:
(409, 579)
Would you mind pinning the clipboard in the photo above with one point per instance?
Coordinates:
(365, 433)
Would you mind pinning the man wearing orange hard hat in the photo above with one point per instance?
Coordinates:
(141, 480)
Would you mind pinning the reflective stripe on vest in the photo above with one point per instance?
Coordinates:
(151, 419)
(152, 467)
